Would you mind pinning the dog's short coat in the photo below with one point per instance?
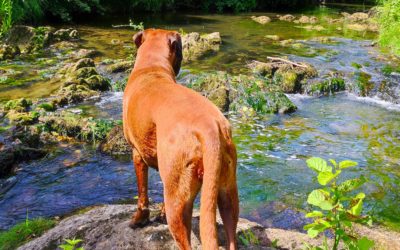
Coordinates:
(184, 136)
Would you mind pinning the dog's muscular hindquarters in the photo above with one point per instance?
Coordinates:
(184, 136)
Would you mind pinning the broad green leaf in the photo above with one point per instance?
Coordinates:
(347, 164)
(320, 198)
(325, 177)
(314, 214)
(350, 185)
(326, 205)
(312, 232)
(318, 165)
(365, 244)
(308, 226)
(316, 197)
(325, 223)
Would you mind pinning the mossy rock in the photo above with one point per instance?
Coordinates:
(122, 66)
(325, 87)
(46, 107)
(97, 82)
(73, 94)
(288, 80)
(8, 52)
(215, 87)
(18, 105)
(115, 143)
(83, 63)
(22, 118)
(84, 73)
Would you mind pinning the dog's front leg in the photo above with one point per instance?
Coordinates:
(141, 217)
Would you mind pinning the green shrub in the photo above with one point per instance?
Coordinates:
(338, 209)
(389, 21)
(23, 232)
(5, 16)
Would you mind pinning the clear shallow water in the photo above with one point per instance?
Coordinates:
(272, 175)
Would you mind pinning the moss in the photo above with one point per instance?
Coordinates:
(120, 66)
(364, 84)
(98, 82)
(288, 80)
(356, 65)
(47, 106)
(22, 118)
(326, 87)
(388, 69)
(19, 105)
(24, 232)
(84, 72)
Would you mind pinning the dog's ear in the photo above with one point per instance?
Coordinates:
(175, 43)
(138, 38)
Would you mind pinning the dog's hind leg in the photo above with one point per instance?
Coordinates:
(228, 205)
(180, 190)
(141, 217)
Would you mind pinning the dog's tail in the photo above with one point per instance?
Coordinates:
(209, 193)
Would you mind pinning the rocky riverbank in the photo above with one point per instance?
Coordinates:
(106, 227)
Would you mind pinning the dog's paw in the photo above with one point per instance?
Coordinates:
(140, 218)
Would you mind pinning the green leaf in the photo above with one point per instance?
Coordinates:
(365, 244)
(320, 198)
(308, 226)
(318, 164)
(350, 185)
(325, 177)
(314, 214)
(66, 247)
(347, 164)
(312, 232)
(357, 208)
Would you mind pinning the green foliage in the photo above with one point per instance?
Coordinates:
(338, 209)
(389, 21)
(5, 16)
(248, 238)
(23, 232)
(71, 244)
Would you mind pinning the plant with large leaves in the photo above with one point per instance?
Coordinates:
(338, 206)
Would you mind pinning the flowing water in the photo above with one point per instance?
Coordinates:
(272, 175)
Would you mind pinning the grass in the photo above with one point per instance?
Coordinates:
(24, 232)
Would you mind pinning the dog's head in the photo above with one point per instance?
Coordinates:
(164, 42)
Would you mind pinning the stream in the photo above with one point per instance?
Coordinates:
(273, 178)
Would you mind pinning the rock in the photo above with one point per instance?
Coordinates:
(81, 82)
(273, 37)
(23, 145)
(306, 19)
(35, 39)
(65, 35)
(325, 87)
(355, 17)
(22, 118)
(121, 66)
(261, 19)
(107, 227)
(215, 88)
(357, 26)
(115, 143)
(194, 45)
(19, 105)
(85, 53)
(8, 52)
(20, 35)
(313, 27)
(289, 77)
(287, 18)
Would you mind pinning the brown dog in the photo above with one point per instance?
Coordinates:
(184, 136)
